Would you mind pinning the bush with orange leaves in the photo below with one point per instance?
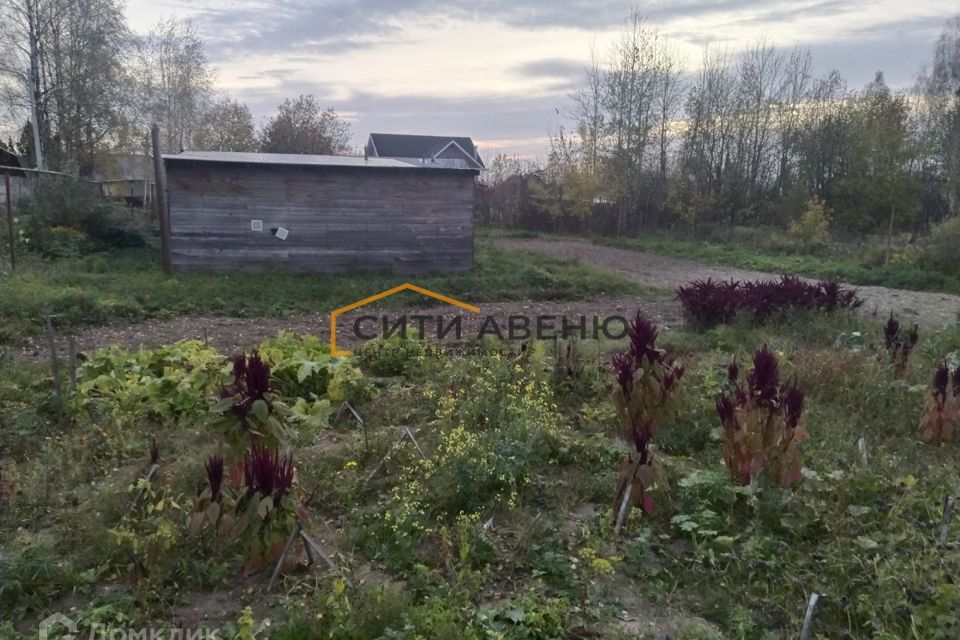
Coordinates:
(941, 414)
(762, 424)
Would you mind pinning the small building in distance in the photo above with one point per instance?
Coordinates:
(21, 183)
(318, 213)
(125, 177)
(436, 151)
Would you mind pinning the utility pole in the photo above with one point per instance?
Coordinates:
(163, 213)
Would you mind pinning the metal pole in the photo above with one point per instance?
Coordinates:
(11, 236)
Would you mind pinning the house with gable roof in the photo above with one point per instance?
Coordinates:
(445, 152)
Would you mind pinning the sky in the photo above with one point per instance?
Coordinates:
(499, 70)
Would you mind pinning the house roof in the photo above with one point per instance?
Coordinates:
(298, 160)
(401, 145)
(9, 159)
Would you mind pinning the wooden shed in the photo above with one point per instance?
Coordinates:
(317, 213)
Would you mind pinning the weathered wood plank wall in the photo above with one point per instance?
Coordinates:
(406, 221)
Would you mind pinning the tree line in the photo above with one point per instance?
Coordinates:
(751, 138)
(81, 83)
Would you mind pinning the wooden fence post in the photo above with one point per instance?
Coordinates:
(72, 354)
(163, 212)
(11, 236)
(54, 361)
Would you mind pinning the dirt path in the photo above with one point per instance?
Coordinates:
(932, 310)
(231, 335)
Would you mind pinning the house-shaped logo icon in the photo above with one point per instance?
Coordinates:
(50, 624)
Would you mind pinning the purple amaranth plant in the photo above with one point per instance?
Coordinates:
(941, 413)
(251, 382)
(941, 379)
(647, 380)
(249, 410)
(623, 366)
(763, 381)
(899, 343)
(707, 303)
(214, 467)
(891, 333)
(643, 341)
(267, 473)
(733, 371)
(793, 399)
(762, 426)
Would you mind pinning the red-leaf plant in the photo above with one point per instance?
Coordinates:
(263, 510)
(762, 424)
(899, 344)
(645, 402)
(248, 409)
(941, 414)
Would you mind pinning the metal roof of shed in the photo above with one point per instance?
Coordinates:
(357, 162)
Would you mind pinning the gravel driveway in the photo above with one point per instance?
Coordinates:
(932, 310)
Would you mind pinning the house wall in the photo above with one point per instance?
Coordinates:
(21, 187)
(405, 221)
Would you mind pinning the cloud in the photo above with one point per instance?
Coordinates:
(335, 26)
(551, 68)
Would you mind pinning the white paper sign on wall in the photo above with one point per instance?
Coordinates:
(282, 233)
(256, 225)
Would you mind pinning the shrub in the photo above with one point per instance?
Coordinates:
(67, 218)
(707, 303)
(762, 424)
(813, 226)
(939, 250)
(644, 401)
(941, 414)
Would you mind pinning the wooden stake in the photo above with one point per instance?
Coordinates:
(72, 351)
(294, 534)
(862, 448)
(626, 486)
(206, 342)
(152, 472)
(948, 503)
(309, 544)
(11, 235)
(54, 361)
(624, 506)
(414, 441)
(317, 549)
(405, 434)
(163, 211)
(807, 631)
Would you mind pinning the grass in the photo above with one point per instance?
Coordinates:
(129, 286)
(846, 262)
